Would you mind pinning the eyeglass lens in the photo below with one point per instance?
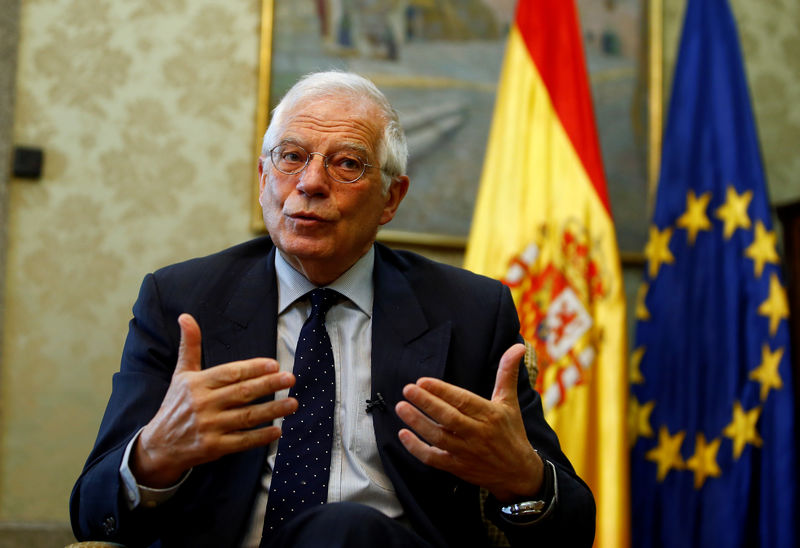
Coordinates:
(343, 166)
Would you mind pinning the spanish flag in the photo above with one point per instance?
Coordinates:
(543, 225)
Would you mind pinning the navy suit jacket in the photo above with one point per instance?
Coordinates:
(429, 319)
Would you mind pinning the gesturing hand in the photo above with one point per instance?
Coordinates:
(480, 441)
(208, 413)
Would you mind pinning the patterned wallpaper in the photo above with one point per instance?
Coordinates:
(146, 113)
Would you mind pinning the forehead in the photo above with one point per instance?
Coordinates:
(334, 122)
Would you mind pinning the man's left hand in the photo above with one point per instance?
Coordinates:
(480, 441)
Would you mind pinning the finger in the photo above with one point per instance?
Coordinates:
(505, 386)
(243, 392)
(439, 413)
(243, 440)
(460, 399)
(250, 416)
(189, 352)
(432, 456)
(236, 372)
(432, 432)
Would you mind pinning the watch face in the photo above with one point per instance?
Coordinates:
(528, 507)
(530, 511)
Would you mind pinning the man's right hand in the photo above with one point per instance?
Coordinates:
(207, 414)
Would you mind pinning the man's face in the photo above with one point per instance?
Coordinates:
(323, 226)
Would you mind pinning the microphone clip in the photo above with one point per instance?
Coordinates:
(377, 401)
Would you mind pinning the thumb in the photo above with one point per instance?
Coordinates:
(189, 350)
(505, 385)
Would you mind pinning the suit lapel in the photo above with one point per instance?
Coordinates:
(241, 324)
(245, 325)
(404, 346)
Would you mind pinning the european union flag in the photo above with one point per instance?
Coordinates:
(713, 458)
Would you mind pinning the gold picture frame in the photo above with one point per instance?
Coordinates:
(418, 233)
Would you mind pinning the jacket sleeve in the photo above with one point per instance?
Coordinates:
(98, 508)
(572, 520)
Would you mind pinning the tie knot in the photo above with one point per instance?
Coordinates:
(322, 299)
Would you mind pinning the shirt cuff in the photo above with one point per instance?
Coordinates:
(140, 495)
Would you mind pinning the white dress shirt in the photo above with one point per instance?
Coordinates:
(356, 473)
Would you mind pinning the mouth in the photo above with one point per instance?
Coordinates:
(307, 217)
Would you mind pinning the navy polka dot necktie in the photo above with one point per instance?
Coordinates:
(302, 464)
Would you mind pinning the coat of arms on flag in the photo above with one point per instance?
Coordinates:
(555, 281)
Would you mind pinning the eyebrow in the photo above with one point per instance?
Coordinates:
(346, 145)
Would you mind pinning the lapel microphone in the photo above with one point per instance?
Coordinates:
(377, 401)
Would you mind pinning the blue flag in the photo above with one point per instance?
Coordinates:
(711, 411)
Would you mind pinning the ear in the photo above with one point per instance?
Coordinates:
(261, 179)
(397, 191)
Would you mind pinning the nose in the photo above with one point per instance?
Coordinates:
(314, 179)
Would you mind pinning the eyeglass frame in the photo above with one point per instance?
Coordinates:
(324, 164)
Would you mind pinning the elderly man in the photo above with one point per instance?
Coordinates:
(315, 388)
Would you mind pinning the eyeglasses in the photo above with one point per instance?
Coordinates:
(343, 166)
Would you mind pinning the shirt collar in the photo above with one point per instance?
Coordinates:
(355, 283)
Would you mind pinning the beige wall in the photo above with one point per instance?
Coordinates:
(146, 113)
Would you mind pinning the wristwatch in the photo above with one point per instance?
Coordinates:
(531, 511)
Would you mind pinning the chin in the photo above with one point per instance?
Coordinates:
(306, 248)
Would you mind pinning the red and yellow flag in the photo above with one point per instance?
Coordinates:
(543, 225)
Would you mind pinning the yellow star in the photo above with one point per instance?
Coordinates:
(776, 307)
(704, 460)
(639, 420)
(762, 250)
(767, 371)
(657, 250)
(695, 219)
(668, 452)
(636, 362)
(641, 308)
(742, 429)
(734, 211)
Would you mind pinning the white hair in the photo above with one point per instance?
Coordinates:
(392, 147)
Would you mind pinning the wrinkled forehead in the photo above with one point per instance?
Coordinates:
(337, 118)
(347, 102)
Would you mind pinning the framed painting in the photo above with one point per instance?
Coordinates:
(438, 62)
